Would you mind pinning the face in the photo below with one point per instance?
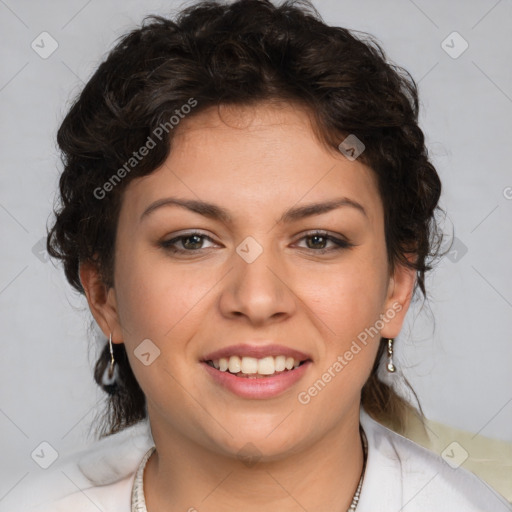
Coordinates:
(253, 282)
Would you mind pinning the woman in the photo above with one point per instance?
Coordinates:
(248, 206)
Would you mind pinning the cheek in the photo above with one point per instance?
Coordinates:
(158, 300)
(162, 303)
(345, 304)
(347, 298)
(152, 295)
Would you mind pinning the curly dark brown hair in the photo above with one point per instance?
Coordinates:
(242, 53)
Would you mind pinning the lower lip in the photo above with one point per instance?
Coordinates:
(266, 387)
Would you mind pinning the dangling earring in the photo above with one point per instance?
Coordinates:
(108, 376)
(391, 366)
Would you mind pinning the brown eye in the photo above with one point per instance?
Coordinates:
(190, 243)
(317, 242)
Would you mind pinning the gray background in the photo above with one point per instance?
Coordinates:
(459, 364)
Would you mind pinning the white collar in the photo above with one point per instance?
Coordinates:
(400, 475)
(383, 474)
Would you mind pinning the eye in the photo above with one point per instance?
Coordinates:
(317, 240)
(191, 242)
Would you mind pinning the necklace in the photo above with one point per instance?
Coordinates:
(139, 502)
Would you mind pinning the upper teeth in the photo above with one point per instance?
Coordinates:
(265, 366)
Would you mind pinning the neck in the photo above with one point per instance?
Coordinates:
(182, 475)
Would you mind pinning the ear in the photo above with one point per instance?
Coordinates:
(400, 291)
(102, 301)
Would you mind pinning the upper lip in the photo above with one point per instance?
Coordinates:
(257, 351)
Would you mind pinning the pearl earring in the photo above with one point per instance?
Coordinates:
(109, 374)
(391, 367)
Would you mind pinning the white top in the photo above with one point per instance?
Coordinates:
(400, 476)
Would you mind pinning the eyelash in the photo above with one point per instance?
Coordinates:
(340, 244)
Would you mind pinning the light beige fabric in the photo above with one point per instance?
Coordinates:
(489, 459)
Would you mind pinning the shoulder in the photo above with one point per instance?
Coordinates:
(115, 497)
(415, 479)
(99, 478)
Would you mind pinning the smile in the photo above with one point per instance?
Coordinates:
(253, 384)
(253, 368)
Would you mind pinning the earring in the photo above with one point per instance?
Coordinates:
(108, 376)
(391, 366)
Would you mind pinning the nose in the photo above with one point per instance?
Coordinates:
(259, 291)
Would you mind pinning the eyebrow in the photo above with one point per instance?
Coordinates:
(216, 212)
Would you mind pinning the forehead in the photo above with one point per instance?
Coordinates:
(254, 159)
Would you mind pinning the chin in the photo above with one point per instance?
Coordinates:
(262, 444)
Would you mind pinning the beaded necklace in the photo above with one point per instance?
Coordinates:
(139, 502)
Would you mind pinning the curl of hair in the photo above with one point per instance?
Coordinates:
(126, 403)
(243, 53)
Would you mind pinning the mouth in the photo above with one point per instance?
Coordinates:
(256, 371)
(253, 368)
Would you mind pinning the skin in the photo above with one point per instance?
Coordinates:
(257, 162)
